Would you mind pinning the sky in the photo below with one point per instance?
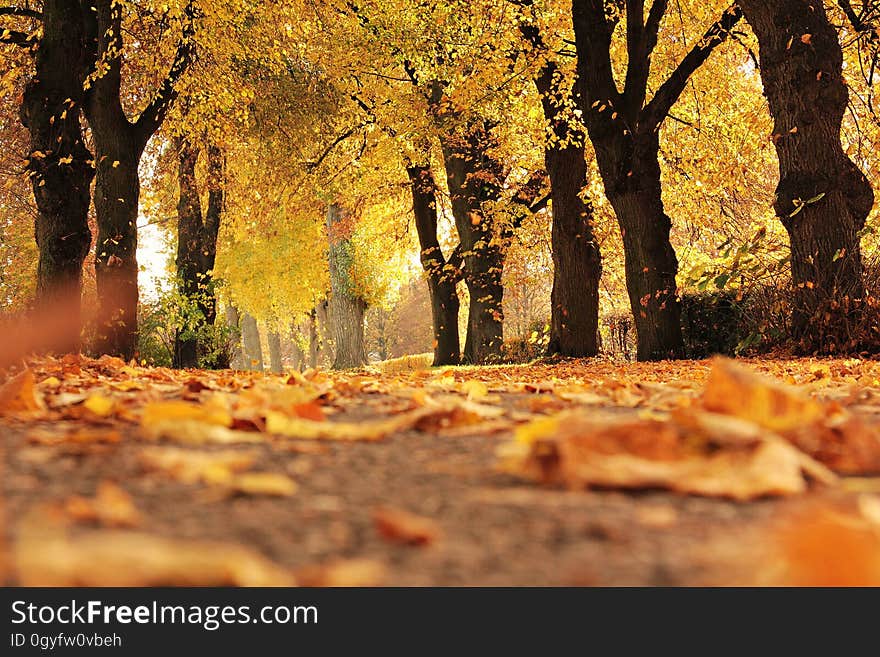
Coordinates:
(153, 255)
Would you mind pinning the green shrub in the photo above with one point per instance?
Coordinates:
(173, 315)
(712, 323)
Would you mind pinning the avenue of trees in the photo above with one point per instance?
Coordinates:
(565, 161)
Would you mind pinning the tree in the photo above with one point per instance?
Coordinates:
(119, 145)
(441, 275)
(577, 261)
(624, 128)
(347, 307)
(822, 197)
(253, 348)
(275, 364)
(60, 166)
(197, 242)
(474, 179)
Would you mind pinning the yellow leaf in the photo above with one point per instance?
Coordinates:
(159, 412)
(100, 405)
(264, 483)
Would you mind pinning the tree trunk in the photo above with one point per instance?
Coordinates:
(189, 223)
(314, 344)
(197, 244)
(119, 144)
(60, 165)
(117, 192)
(630, 168)
(275, 365)
(347, 308)
(253, 349)
(441, 277)
(325, 332)
(233, 321)
(822, 197)
(473, 180)
(577, 262)
(624, 127)
(298, 356)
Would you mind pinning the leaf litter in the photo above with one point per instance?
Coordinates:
(717, 429)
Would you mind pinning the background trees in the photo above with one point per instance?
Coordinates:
(493, 148)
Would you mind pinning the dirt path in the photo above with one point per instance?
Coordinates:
(491, 528)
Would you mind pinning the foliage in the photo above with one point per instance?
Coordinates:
(172, 315)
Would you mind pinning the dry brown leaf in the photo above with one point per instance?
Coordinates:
(20, 393)
(347, 572)
(111, 506)
(843, 442)
(700, 454)
(400, 526)
(52, 557)
(734, 389)
(192, 467)
(195, 432)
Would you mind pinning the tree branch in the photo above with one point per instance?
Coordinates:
(658, 109)
(311, 165)
(16, 38)
(154, 114)
(593, 31)
(20, 12)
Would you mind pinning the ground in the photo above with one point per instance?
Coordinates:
(573, 473)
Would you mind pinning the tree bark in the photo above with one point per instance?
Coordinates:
(624, 130)
(233, 321)
(197, 243)
(473, 179)
(441, 277)
(314, 343)
(577, 261)
(59, 164)
(253, 349)
(633, 187)
(324, 323)
(347, 308)
(822, 197)
(275, 365)
(119, 144)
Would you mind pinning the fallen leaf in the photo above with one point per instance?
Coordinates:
(263, 483)
(348, 572)
(195, 432)
(99, 405)
(700, 453)
(46, 556)
(192, 467)
(111, 506)
(21, 394)
(162, 413)
(475, 389)
(824, 546)
(400, 526)
(844, 442)
(74, 435)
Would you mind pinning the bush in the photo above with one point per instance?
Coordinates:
(525, 349)
(172, 315)
(712, 323)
